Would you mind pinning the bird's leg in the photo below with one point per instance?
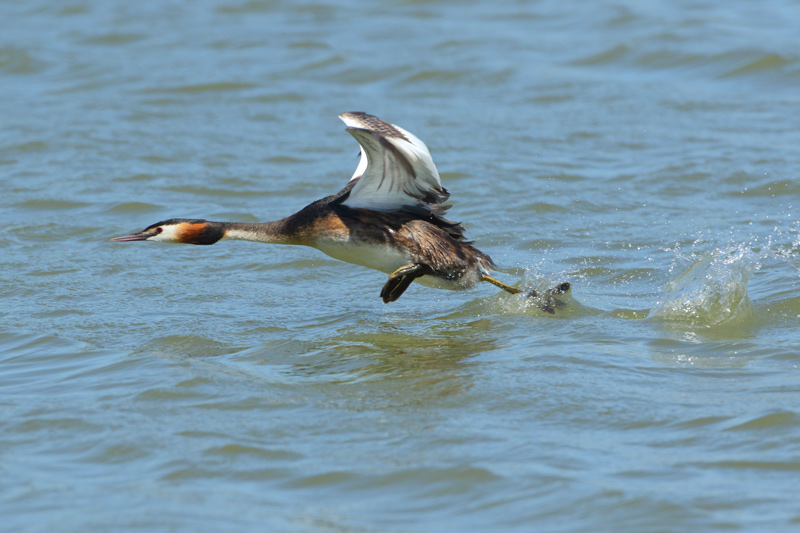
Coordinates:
(498, 283)
(548, 302)
(405, 270)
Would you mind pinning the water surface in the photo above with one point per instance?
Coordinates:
(645, 152)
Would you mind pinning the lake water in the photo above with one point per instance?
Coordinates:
(647, 152)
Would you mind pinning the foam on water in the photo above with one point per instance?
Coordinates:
(712, 290)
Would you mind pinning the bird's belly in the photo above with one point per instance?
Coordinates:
(387, 259)
(376, 256)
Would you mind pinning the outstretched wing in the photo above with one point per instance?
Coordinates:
(396, 171)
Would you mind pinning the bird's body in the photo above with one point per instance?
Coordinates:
(389, 217)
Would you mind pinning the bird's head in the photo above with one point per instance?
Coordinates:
(182, 230)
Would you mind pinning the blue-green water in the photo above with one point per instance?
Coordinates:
(647, 152)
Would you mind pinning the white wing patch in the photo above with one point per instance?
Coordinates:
(396, 168)
(362, 166)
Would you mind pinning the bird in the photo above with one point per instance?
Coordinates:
(389, 217)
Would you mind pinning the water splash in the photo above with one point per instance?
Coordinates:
(713, 289)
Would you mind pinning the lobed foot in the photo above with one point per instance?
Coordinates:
(548, 302)
(400, 279)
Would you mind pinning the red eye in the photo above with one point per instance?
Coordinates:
(159, 230)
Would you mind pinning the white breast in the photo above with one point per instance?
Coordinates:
(378, 257)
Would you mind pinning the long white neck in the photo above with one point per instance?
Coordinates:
(268, 232)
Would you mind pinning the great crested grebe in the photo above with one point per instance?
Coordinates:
(389, 217)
